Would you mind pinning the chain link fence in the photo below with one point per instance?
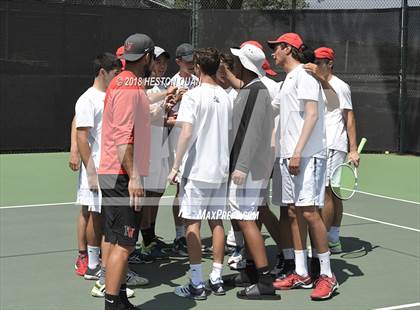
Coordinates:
(377, 43)
(247, 4)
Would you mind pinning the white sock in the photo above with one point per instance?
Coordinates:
(288, 253)
(334, 234)
(301, 262)
(93, 256)
(324, 261)
(196, 274)
(216, 273)
(179, 231)
(230, 239)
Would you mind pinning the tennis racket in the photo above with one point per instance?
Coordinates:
(344, 177)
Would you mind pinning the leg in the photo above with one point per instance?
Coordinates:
(116, 269)
(81, 228)
(218, 234)
(271, 222)
(93, 236)
(328, 211)
(255, 242)
(194, 241)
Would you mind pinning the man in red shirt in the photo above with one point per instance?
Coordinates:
(124, 162)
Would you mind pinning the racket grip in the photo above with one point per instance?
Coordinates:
(361, 145)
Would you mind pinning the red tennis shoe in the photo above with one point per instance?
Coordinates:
(324, 287)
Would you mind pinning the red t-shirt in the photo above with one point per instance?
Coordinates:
(126, 120)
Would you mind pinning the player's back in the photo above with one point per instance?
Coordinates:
(207, 159)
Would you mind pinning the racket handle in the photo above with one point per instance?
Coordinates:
(361, 145)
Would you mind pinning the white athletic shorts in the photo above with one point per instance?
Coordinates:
(202, 200)
(245, 199)
(85, 196)
(334, 158)
(158, 174)
(308, 187)
(276, 188)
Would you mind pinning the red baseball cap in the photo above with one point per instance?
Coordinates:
(290, 38)
(267, 68)
(324, 53)
(255, 43)
(119, 53)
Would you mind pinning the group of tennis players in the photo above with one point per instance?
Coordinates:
(221, 130)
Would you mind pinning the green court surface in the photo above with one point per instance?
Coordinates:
(380, 266)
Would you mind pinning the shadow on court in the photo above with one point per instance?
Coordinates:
(169, 301)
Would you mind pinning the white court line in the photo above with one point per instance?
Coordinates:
(400, 306)
(381, 222)
(169, 196)
(38, 205)
(387, 197)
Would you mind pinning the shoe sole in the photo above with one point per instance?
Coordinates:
(260, 297)
(88, 277)
(303, 286)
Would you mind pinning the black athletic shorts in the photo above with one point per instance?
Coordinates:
(121, 222)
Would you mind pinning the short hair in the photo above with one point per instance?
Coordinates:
(227, 59)
(208, 58)
(297, 53)
(106, 61)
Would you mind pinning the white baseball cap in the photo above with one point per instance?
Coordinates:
(159, 51)
(251, 57)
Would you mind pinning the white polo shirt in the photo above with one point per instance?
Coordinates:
(298, 87)
(334, 120)
(88, 113)
(207, 108)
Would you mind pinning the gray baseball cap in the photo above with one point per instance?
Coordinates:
(185, 52)
(136, 46)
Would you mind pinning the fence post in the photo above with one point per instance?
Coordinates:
(293, 17)
(402, 104)
(194, 23)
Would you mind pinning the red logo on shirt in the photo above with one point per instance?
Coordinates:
(129, 231)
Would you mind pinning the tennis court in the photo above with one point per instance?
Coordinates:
(378, 269)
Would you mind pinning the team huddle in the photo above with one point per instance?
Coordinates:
(222, 131)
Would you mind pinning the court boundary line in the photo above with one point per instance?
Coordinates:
(399, 306)
(381, 222)
(169, 196)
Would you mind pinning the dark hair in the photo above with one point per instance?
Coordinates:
(308, 55)
(297, 54)
(208, 58)
(227, 58)
(106, 61)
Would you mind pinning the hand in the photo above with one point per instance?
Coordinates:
(314, 70)
(169, 102)
(238, 177)
(171, 90)
(136, 192)
(74, 161)
(173, 176)
(354, 157)
(179, 93)
(93, 182)
(294, 164)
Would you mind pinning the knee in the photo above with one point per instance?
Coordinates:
(291, 213)
(310, 216)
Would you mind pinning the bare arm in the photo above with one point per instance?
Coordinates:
(135, 188)
(182, 146)
(74, 160)
(350, 122)
(311, 117)
(86, 155)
